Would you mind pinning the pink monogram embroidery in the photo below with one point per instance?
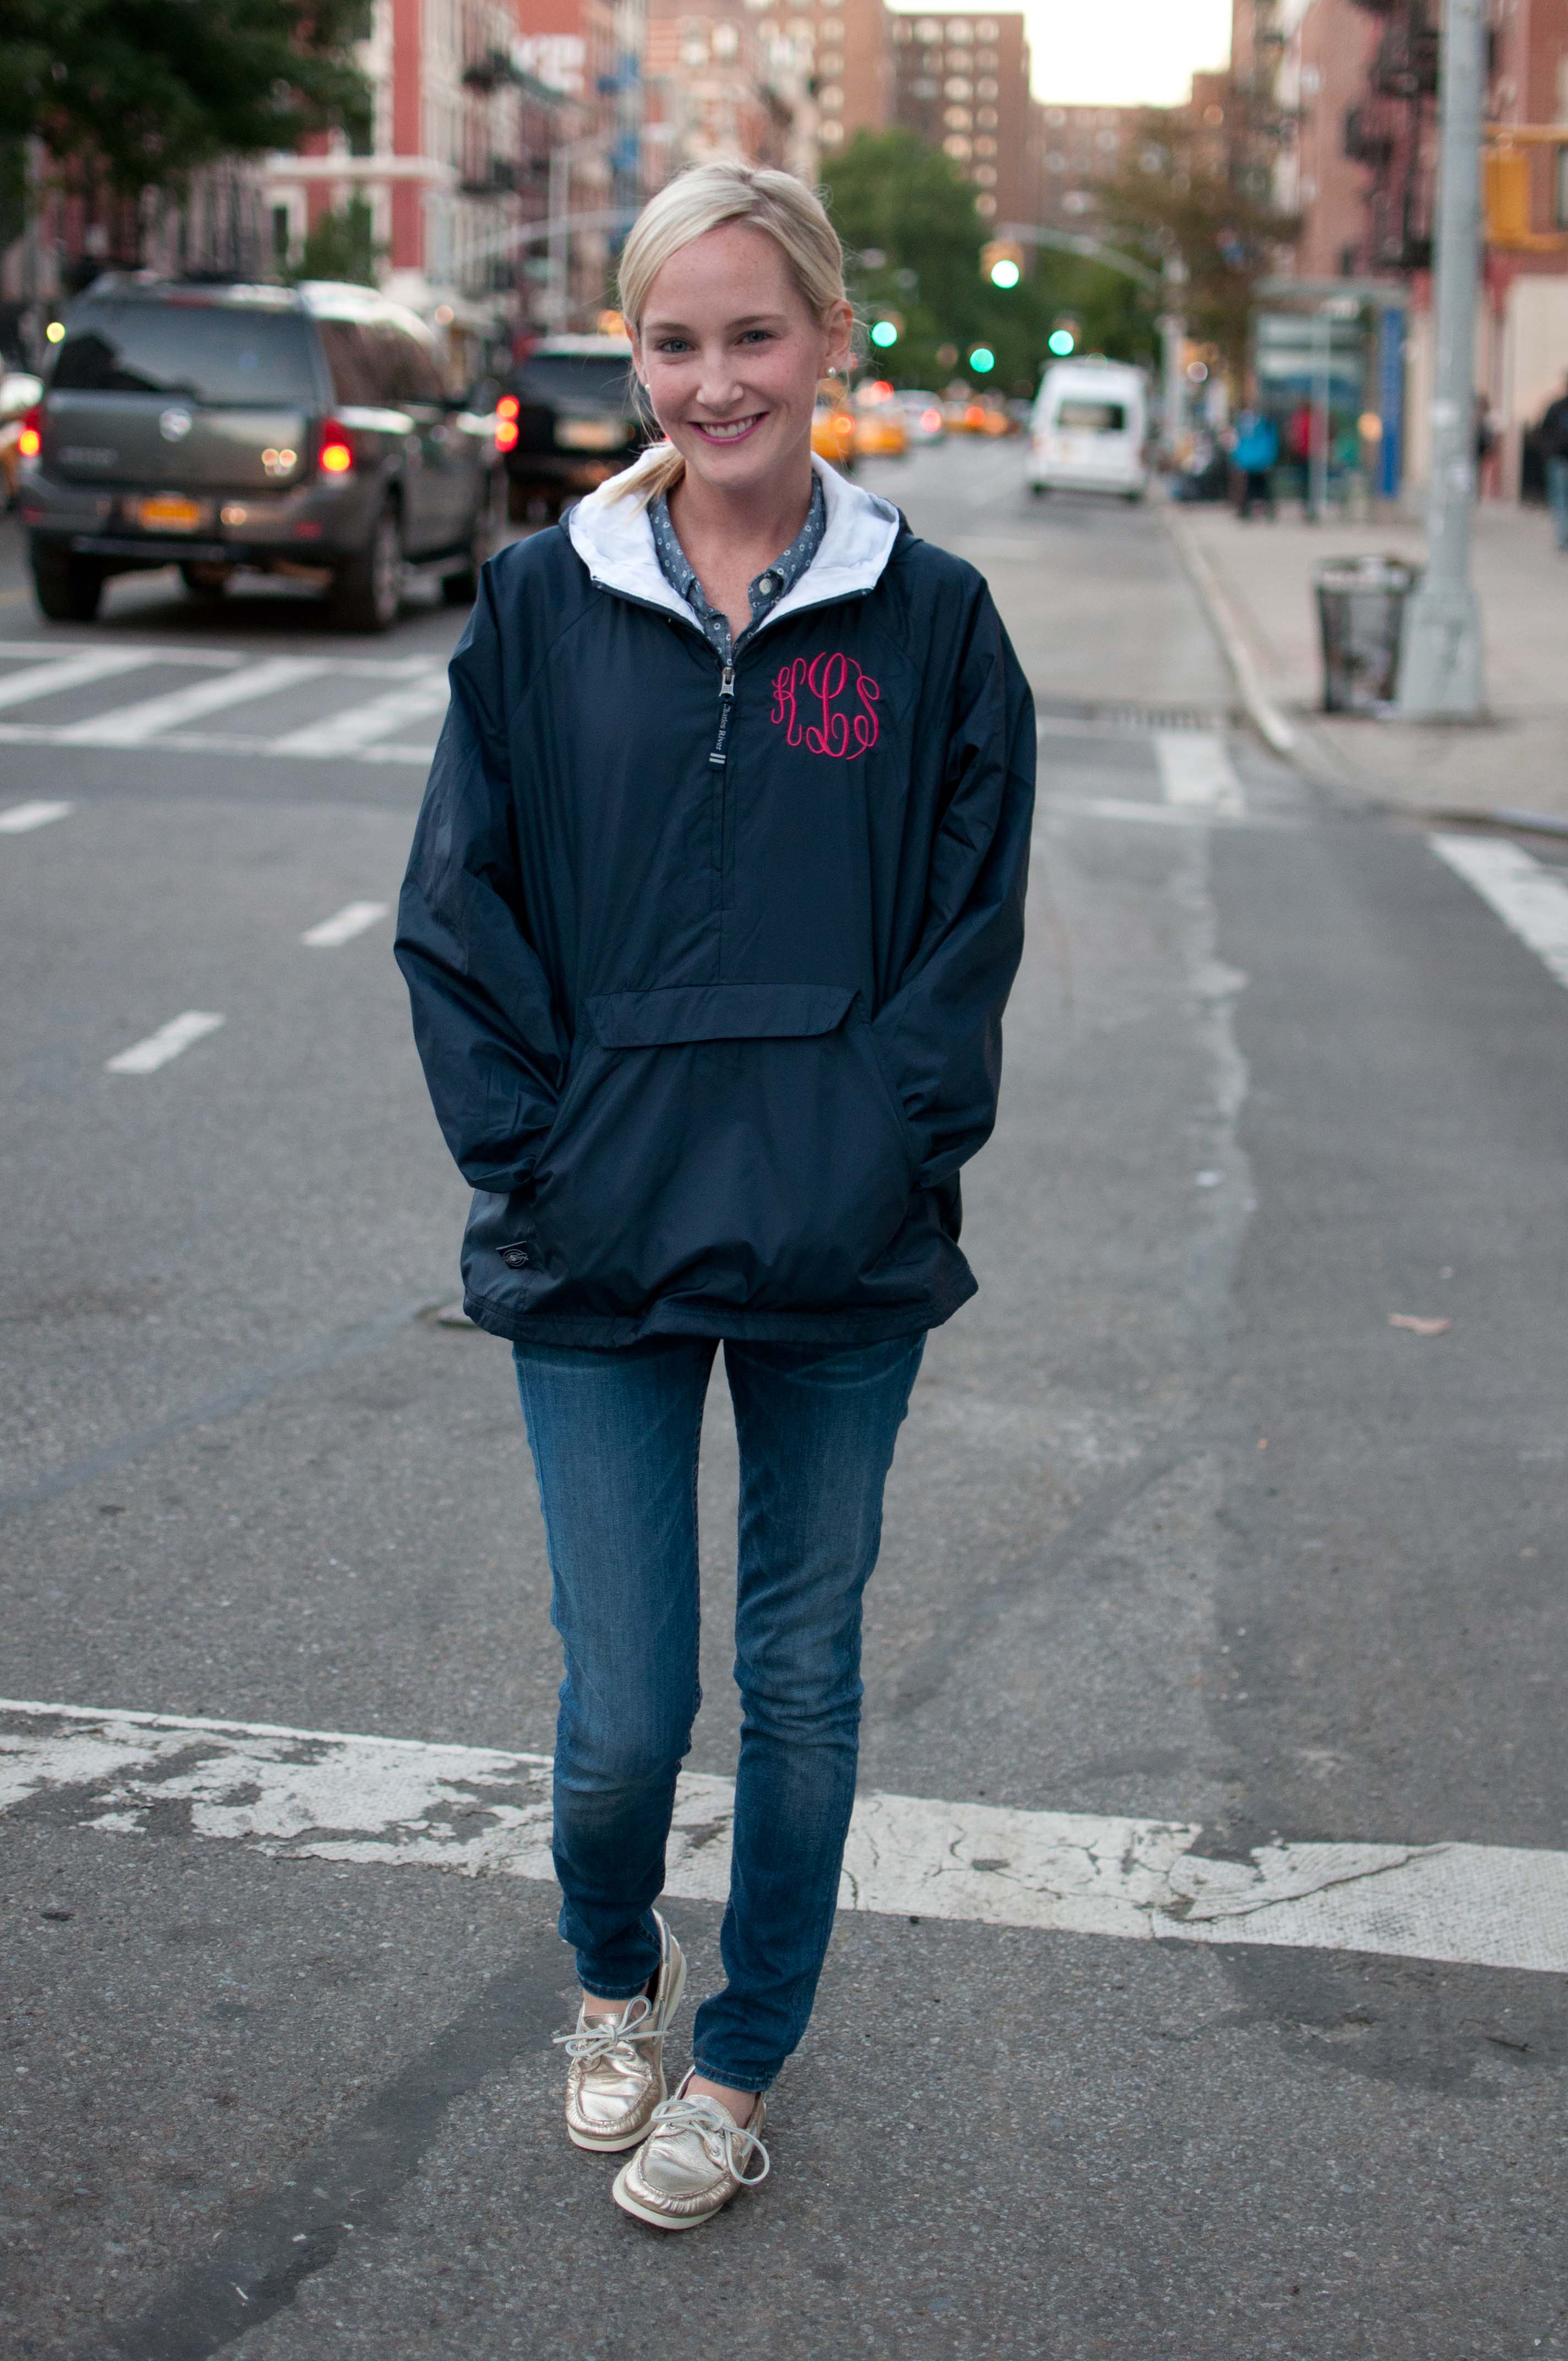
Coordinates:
(827, 703)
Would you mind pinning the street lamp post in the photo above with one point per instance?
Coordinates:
(1173, 341)
(1441, 676)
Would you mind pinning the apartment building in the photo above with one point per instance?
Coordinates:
(726, 81)
(1079, 149)
(1355, 84)
(452, 168)
(962, 84)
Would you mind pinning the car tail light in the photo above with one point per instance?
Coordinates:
(506, 410)
(335, 455)
(508, 406)
(30, 441)
(931, 420)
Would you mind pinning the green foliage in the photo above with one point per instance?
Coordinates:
(342, 245)
(890, 193)
(1192, 193)
(136, 94)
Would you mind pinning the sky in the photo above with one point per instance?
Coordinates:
(1118, 52)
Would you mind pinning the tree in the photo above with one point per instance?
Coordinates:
(341, 246)
(913, 239)
(133, 94)
(1194, 191)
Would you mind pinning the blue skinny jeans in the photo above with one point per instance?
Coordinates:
(614, 1437)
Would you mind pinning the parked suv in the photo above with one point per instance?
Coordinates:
(566, 420)
(302, 430)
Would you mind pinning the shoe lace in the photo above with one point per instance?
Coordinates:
(593, 2039)
(725, 2142)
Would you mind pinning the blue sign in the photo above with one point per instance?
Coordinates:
(1391, 400)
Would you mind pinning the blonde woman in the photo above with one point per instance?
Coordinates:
(714, 904)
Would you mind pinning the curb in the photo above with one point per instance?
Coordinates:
(1264, 715)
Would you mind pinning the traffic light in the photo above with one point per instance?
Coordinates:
(1506, 186)
(886, 329)
(1002, 261)
(982, 359)
(1064, 336)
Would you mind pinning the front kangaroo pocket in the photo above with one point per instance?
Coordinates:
(733, 1141)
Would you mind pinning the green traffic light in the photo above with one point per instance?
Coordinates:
(1061, 342)
(1006, 273)
(982, 359)
(883, 332)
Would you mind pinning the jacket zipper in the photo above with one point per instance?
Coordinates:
(725, 705)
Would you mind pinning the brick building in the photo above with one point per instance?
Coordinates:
(1079, 149)
(722, 80)
(1355, 85)
(962, 84)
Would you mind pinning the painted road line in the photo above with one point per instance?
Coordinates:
(133, 725)
(342, 928)
(359, 725)
(149, 651)
(1195, 773)
(208, 742)
(304, 1794)
(1529, 899)
(61, 673)
(146, 1057)
(17, 820)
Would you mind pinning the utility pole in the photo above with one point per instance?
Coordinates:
(1173, 338)
(1440, 667)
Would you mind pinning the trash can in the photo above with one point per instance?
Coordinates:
(1361, 605)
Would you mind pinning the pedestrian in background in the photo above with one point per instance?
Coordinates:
(1255, 456)
(1553, 435)
(713, 906)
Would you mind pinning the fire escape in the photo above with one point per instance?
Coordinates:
(1390, 130)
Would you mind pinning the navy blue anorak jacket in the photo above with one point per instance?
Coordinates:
(707, 965)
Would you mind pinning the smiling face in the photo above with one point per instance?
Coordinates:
(732, 358)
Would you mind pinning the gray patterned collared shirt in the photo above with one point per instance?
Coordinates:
(764, 593)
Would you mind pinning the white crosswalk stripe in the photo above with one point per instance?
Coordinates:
(397, 726)
(359, 725)
(342, 928)
(61, 673)
(1531, 901)
(146, 1057)
(1195, 773)
(301, 1795)
(134, 725)
(18, 819)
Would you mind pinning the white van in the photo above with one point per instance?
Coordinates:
(1089, 429)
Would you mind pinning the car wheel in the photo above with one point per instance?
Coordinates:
(67, 590)
(205, 581)
(1039, 490)
(368, 591)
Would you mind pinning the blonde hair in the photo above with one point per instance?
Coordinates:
(705, 197)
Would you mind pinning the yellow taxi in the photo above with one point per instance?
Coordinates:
(833, 427)
(880, 430)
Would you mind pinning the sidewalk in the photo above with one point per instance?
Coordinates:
(1257, 580)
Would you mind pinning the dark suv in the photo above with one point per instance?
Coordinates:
(302, 430)
(566, 422)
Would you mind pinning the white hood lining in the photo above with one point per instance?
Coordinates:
(615, 542)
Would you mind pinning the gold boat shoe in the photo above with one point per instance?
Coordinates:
(694, 2160)
(616, 2078)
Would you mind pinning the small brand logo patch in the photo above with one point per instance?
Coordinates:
(827, 704)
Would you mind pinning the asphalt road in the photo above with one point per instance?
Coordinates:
(1181, 1528)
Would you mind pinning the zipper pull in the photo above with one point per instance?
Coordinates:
(726, 699)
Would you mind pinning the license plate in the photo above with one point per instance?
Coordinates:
(169, 513)
(589, 433)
